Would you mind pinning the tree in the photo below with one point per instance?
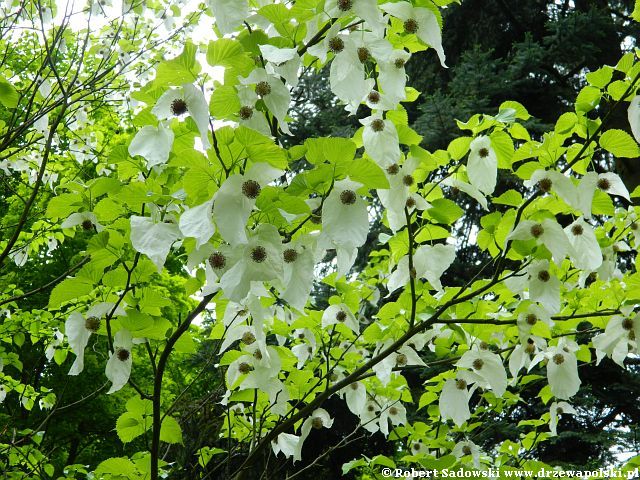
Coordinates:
(204, 224)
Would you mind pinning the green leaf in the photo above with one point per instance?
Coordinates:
(64, 205)
(116, 466)
(69, 289)
(587, 99)
(619, 143)
(459, 147)
(521, 111)
(224, 102)
(601, 77)
(367, 172)
(445, 211)
(170, 432)
(8, 94)
(510, 197)
(130, 425)
(182, 69)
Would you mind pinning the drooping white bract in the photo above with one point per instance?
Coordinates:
(284, 62)
(260, 260)
(482, 165)
(356, 397)
(152, 143)
(229, 14)
(620, 338)
(347, 75)
(607, 182)
(217, 262)
(547, 232)
(529, 317)
(273, 93)
(369, 418)
(429, 262)
(420, 21)
(55, 342)
(486, 365)
(154, 239)
(320, 418)
(248, 115)
(82, 218)
(367, 10)
(394, 412)
(338, 314)
(234, 202)
(465, 448)
(467, 188)
(176, 102)
(562, 369)
(544, 287)
(299, 261)
(305, 350)
(633, 113)
(287, 444)
(78, 328)
(197, 222)
(454, 401)
(585, 251)
(557, 409)
(552, 180)
(392, 77)
(345, 221)
(404, 356)
(399, 195)
(380, 140)
(119, 364)
(525, 355)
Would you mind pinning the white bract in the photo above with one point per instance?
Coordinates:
(190, 100)
(420, 21)
(429, 262)
(482, 165)
(547, 232)
(118, 367)
(234, 202)
(152, 143)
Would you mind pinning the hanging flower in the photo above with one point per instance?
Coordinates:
(552, 180)
(380, 139)
(273, 93)
(347, 75)
(367, 10)
(467, 188)
(607, 182)
(454, 401)
(340, 314)
(546, 232)
(53, 345)
(119, 364)
(197, 222)
(299, 263)
(419, 21)
(482, 165)
(286, 443)
(392, 77)
(88, 220)
(234, 202)
(369, 418)
(585, 251)
(320, 418)
(356, 397)
(260, 260)
(525, 355)
(153, 238)
(544, 287)
(620, 338)
(393, 412)
(467, 448)
(399, 195)
(487, 366)
(557, 409)
(403, 357)
(248, 115)
(152, 143)
(78, 328)
(283, 62)
(562, 369)
(177, 102)
(345, 219)
(429, 262)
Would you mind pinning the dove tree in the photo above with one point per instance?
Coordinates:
(202, 190)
